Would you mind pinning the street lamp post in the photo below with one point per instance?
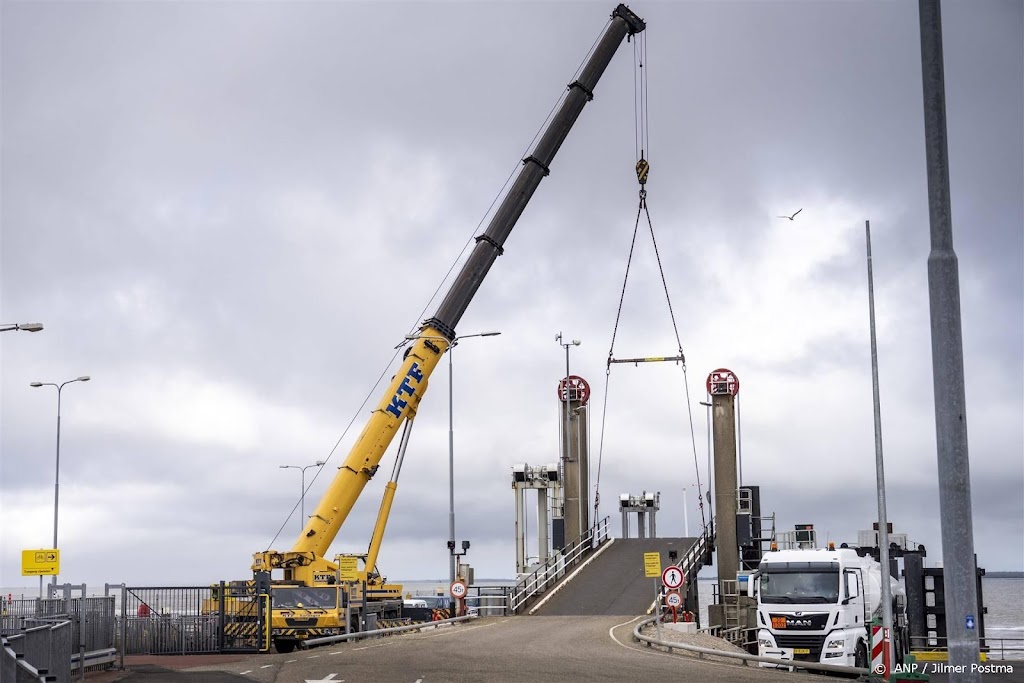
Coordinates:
(302, 498)
(451, 446)
(56, 474)
(24, 327)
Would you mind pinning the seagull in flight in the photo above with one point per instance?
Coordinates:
(793, 216)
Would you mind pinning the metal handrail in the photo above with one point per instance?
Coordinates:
(925, 644)
(690, 563)
(355, 635)
(745, 657)
(545, 575)
(13, 656)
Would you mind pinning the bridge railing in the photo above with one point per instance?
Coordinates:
(554, 569)
(693, 559)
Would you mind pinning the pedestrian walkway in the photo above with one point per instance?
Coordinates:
(168, 669)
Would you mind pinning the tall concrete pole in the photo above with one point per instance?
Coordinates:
(883, 521)
(724, 427)
(948, 365)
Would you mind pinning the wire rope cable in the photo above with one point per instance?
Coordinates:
(642, 149)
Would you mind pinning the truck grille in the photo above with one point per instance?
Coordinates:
(814, 643)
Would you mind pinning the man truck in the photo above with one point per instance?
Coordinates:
(817, 605)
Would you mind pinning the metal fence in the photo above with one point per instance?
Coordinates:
(549, 573)
(42, 653)
(159, 620)
(995, 648)
(88, 624)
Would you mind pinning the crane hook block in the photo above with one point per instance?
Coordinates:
(642, 167)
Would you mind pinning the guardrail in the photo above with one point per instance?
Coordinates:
(313, 642)
(745, 657)
(551, 571)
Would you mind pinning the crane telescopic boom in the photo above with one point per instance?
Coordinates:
(437, 333)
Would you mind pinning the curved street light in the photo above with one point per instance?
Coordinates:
(302, 499)
(56, 474)
(24, 327)
(451, 446)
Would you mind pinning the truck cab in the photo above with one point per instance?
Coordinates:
(817, 605)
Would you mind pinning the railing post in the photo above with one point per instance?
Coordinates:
(124, 626)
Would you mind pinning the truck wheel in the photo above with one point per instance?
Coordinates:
(860, 660)
(284, 646)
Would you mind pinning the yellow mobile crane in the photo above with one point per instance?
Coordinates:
(305, 602)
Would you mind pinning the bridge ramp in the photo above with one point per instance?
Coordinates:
(613, 583)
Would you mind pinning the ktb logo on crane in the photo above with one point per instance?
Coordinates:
(398, 403)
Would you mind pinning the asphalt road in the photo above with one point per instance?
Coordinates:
(515, 649)
(496, 650)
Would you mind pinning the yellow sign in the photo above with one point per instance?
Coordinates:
(652, 565)
(348, 568)
(42, 562)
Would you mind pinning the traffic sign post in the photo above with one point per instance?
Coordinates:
(652, 570)
(348, 568)
(41, 562)
(458, 591)
(674, 600)
(672, 577)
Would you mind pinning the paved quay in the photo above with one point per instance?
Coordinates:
(170, 668)
(486, 650)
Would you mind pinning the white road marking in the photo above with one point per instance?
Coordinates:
(266, 666)
(312, 656)
(245, 672)
(642, 651)
(611, 631)
(291, 660)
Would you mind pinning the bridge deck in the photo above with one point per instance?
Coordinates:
(613, 583)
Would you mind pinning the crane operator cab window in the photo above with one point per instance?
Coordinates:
(304, 598)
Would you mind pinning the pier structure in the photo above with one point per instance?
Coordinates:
(545, 480)
(646, 506)
(574, 521)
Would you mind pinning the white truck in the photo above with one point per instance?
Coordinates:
(816, 605)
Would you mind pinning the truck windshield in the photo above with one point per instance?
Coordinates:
(799, 587)
(308, 598)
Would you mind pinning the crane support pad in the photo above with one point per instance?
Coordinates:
(658, 359)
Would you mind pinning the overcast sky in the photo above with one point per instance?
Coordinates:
(228, 214)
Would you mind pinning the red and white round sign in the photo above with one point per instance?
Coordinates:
(573, 388)
(458, 589)
(673, 599)
(723, 381)
(672, 577)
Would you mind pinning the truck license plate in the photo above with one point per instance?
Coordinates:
(801, 651)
